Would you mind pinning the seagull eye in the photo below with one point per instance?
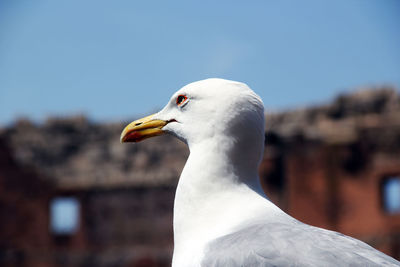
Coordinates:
(181, 99)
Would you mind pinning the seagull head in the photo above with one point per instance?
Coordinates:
(211, 109)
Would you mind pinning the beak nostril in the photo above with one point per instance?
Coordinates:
(137, 124)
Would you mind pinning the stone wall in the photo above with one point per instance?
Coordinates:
(325, 165)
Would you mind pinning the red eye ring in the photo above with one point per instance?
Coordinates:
(181, 99)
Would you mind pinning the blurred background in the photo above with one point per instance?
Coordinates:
(73, 73)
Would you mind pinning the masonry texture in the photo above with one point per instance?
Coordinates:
(325, 165)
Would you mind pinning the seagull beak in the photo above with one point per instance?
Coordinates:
(141, 129)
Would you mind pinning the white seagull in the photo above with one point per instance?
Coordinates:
(221, 215)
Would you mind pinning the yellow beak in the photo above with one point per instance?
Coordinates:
(141, 129)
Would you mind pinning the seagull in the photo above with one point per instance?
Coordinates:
(221, 215)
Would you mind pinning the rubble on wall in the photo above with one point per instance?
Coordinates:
(372, 114)
(78, 153)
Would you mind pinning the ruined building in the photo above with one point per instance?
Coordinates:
(72, 195)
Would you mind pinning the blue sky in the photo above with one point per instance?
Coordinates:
(116, 60)
(392, 195)
(64, 215)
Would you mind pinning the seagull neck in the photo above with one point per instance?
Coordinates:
(215, 185)
(222, 160)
